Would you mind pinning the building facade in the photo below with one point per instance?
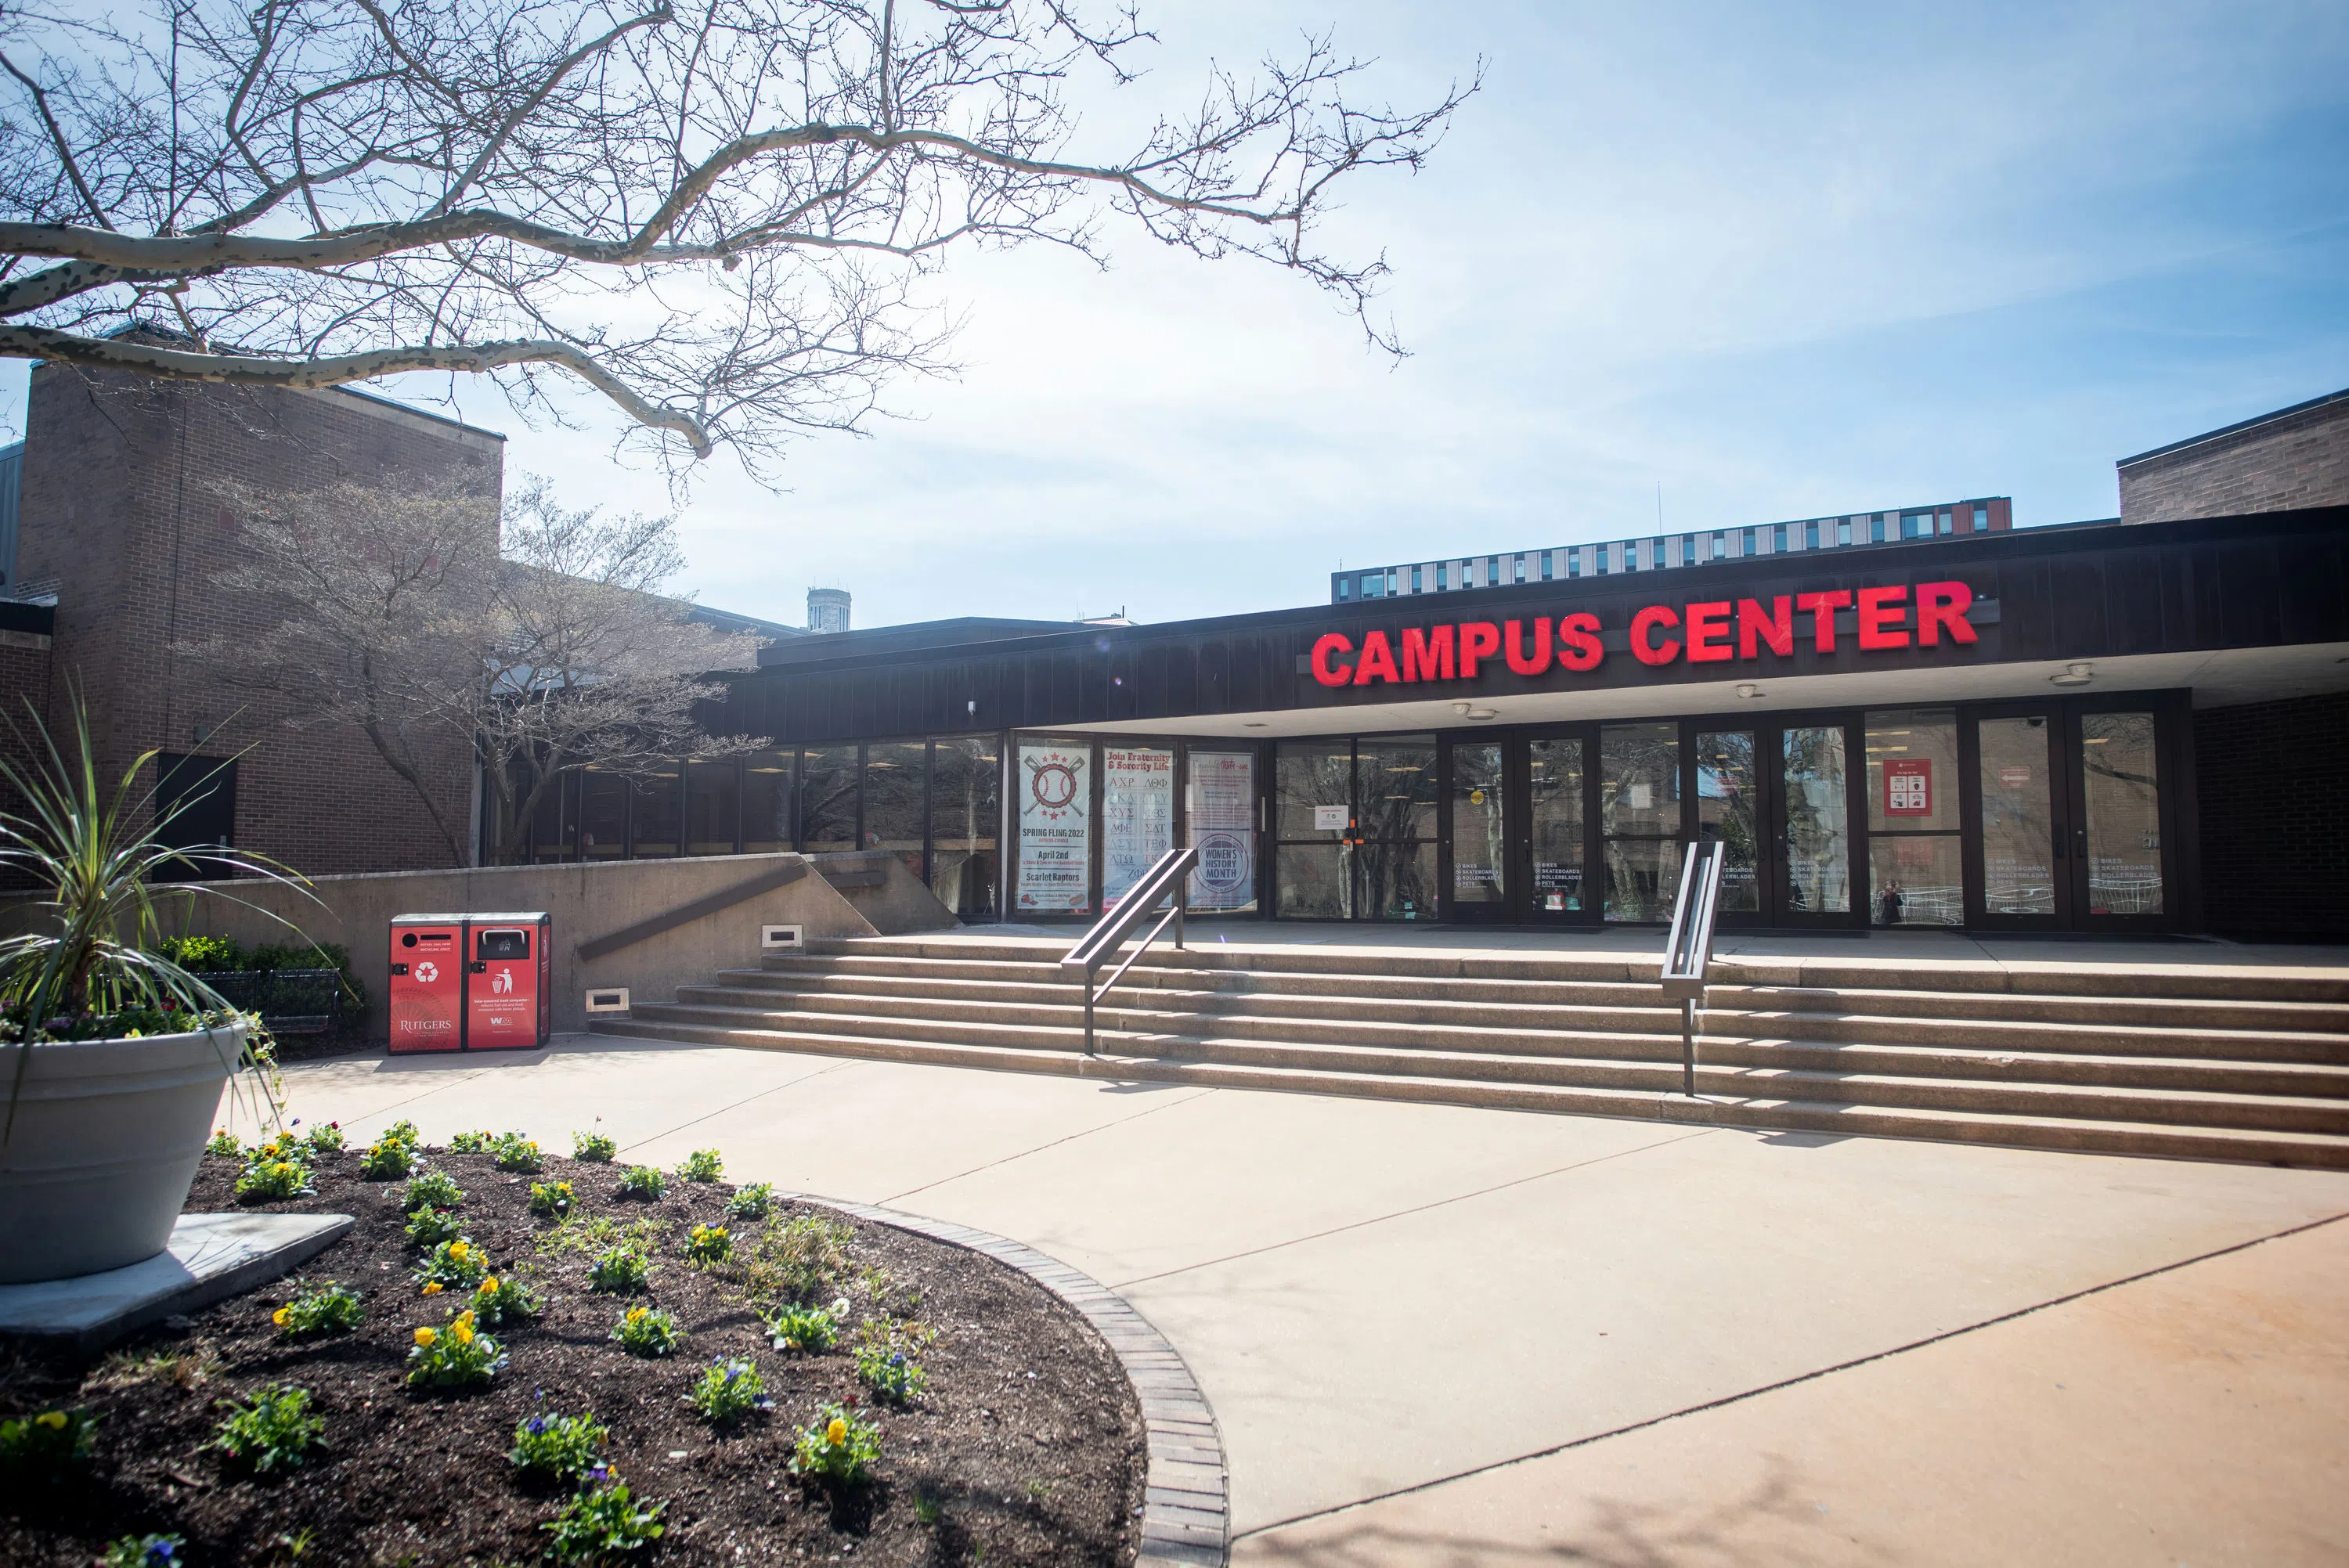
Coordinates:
(2294, 458)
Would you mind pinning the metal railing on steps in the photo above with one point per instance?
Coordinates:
(1169, 879)
(1688, 948)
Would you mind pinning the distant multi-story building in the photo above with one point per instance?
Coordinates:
(1994, 514)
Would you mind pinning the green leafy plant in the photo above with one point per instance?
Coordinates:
(892, 1375)
(603, 1525)
(428, 1228)
(550, 1198)
(591, 1233)
(456, 1263)
(728, 1389)
(702, 1165)
(838, 1449)
(270, 1430)
(752, 1202)
(326, 1140)
(643, 1331)
(431, 1189)
(454, 1356)
(501, 1300)
(480, 1142)
(709, 1245)
(564, 1450)
(330, 1309)
(88, 968)
(203, 954)
(593, 1147)
(144, 1552)
(45, 1443)
(616, 1270)
(273, 1177)
(403, 1131)
(804, 1258)
(514, 1152)
(807, 1328)
(642, 1182)
(224, 1142)
(386, 1160)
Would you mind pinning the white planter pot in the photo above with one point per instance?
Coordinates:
(107, 1140)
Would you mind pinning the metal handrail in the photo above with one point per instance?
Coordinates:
(1688, 948)
(1168, 878)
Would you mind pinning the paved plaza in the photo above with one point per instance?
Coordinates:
(1440, 1336)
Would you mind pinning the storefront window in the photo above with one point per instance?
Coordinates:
(1818, 822)
(554, 824)
(1055, 785)
(767, 803)
(2017, 878)
(827, 800)
(2119, 770)
(897, 800)
(965, 810)
(1553, 799)
(1914, 859)
(712, 792)
(1639, 814)
(1479, 847)
(1220, 819)
(1724, 811)
(603, 815)
(1137, 815)
(658, 813)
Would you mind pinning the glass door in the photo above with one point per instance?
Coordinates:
(1482, 885)
(1639, 819)
(1815, 815)
(2021, 872)
(1556, 820)
(2118, 843)
(1726, 804)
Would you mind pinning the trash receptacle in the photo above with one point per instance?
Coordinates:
(471, 982)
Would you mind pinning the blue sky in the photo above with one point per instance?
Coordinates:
(1781, 261)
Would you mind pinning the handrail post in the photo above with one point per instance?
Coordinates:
(1688, 947)
(1166, 880)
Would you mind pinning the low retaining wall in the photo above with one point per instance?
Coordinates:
(602, 899)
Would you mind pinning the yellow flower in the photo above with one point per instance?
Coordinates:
(489, 1287)
(635, 1313)
(52, 1419)
(280, 1316)
(458, 1249)
(464, 1320)
(462, 1332)
(432, 1287)
(425, 1336)
(836, 1433)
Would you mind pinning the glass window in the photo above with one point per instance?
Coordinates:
(1554, 797)
(1876, 529)
(827, 800)
(1779, 539)
(1442, 576)
(1981, 519)
(1373, 585)
(1744, 542)
(767, 803)
(1720, 546)
(1916, 878)
(1345, 589)
(1810, 536)
(1315, 881)
(553, 828)
(1912, 770)
(1479, 845)
(1640, 815)
(1390, 581)
(1598, 553)
(657, 813)
(1818, 822)
(1843, 531)
(711, 792)
(603, 815)
(1547, 561)
(1574, 561)
(1630, 555)
(1492, 572)
(2017, 817)
(1219, 813)
(1054, 785)
(1518, 569)
(1724, 811)
(1137, 815)
(965, 818)
(2120, 771)
(1414, 580)
(1943, 524)
(1398, 881)
(1313, 791)
(896, 803)
(1396, 785)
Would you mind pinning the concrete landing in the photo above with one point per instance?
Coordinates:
(210, 1258)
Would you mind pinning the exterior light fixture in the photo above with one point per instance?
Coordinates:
(1479, 715)
(2079, 674)
(1462, 708)
(1748, 691)
(1255, 723)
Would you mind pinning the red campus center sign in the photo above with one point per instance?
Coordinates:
(1703, 632)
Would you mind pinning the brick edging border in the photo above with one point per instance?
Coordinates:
(1187, 1506)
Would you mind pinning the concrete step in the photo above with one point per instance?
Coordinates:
(1586, 1060)
(1832, 1118)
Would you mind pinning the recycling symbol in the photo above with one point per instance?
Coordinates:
(427, 973)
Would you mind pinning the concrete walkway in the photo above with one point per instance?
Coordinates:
(1439, 1335)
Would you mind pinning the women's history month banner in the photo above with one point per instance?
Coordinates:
(1221, 809)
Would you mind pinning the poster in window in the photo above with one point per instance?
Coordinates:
(1221, 808)
(1055, 828)
(1908, 787)
(1137, 816)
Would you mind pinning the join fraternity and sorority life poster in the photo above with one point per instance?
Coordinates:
(1137, 815)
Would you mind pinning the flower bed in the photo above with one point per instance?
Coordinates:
(492, 1403)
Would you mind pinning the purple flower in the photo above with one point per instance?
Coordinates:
(538, 1423)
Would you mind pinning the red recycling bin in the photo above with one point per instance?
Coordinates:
(471, 982)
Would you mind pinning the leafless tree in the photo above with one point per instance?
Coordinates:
(405, 614)
(715, 213)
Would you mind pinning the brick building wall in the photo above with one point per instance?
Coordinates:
(2283, 461)
(2273, 785)
(120, 512)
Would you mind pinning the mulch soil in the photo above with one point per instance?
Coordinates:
(1025, 1445)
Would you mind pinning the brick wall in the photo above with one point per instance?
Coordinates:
(2273, 780)
(2293, 460)
(119, 506)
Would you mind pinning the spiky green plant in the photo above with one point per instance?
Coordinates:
(95, 852)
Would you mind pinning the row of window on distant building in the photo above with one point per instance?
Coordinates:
(1656, 554)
